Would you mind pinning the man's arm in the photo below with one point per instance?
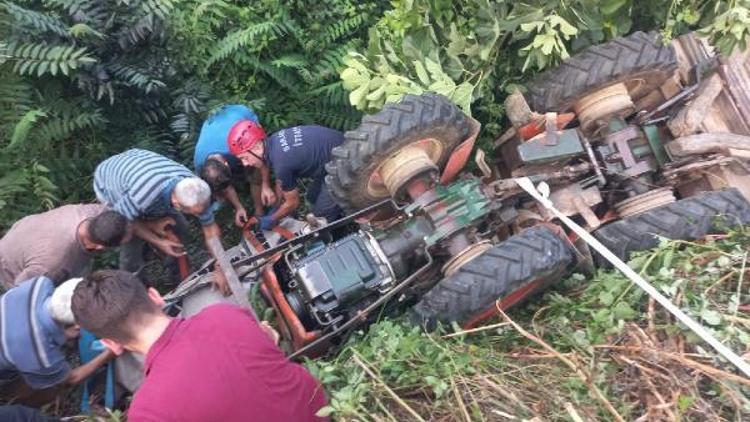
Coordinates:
(213, 231)
(289, 204)
(79, 374)
(240, 214)
(254, 178)
(145, 230)
(268, 198)
(30, 271)
(257, 196)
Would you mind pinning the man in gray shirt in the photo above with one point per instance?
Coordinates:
(59, 243)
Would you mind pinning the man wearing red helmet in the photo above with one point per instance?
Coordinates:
(223, 137)
(297, 154)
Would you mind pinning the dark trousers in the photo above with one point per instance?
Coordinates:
(323, 204)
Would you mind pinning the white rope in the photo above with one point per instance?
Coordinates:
(541, 195)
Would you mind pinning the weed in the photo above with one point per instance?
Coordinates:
(600, 334)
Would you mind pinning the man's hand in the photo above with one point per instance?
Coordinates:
(267, 196)
(270, 332)
(170, 247)
(267, 222)
(240, 217)
(220, 281)
(161, 225)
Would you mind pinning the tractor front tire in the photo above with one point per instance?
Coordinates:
(686, 219)
(536, 254)
(415, 118)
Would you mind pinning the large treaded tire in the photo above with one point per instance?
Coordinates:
(534, 254)
(414, 118)
(689, 218)
(637, 56)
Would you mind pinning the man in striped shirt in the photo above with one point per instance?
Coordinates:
(36, 321)
(151, 190)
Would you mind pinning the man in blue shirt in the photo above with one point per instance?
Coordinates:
(36, 321)
(224, 135)
(295, 154)
(151, 190)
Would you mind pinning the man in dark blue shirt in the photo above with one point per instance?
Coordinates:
(295, 154)
(223, 136)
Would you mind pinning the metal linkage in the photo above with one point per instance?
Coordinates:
(452, 208)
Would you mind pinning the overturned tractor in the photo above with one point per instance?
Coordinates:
(628, 135)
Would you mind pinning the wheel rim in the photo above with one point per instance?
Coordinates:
(466, 255)
(612, 100)
(644, 202)
(408, 162)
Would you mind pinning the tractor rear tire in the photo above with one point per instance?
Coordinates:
(637, 57)
(415, 117)
(535, 254)
(686, 219)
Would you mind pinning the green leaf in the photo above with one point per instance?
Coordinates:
(23, 127)
(606, 298)
(684, 402)
(353, 78)
(567, 29)
(462, 96)
(711, 317)
(42, 68)
(436, 71)
(376, 94)
(34, 52)
(444, 87)
(623, 311)
(325, 411)
(356, 97)
(24, 67)
(457, 43)
(64, 67)
(421, 72)
(532, 26)
(723, 261)
(609, 7)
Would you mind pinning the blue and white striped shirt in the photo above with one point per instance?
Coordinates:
(138, 184)
(30, 340)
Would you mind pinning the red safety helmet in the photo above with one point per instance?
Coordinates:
(244, 135)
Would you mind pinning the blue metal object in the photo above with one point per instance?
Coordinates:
(90, 347)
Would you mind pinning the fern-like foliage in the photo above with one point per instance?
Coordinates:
(35, 22)
(69, 122)
(244, 38)
(344, 28)
(159, 8)
(138, 78)
(94, 13)
(71, 69)
(287, 59)
(40, 59)
(83, 79)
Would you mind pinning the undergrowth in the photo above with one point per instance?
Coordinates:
(594, 349)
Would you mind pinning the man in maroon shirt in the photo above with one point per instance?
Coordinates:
(218, 365)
